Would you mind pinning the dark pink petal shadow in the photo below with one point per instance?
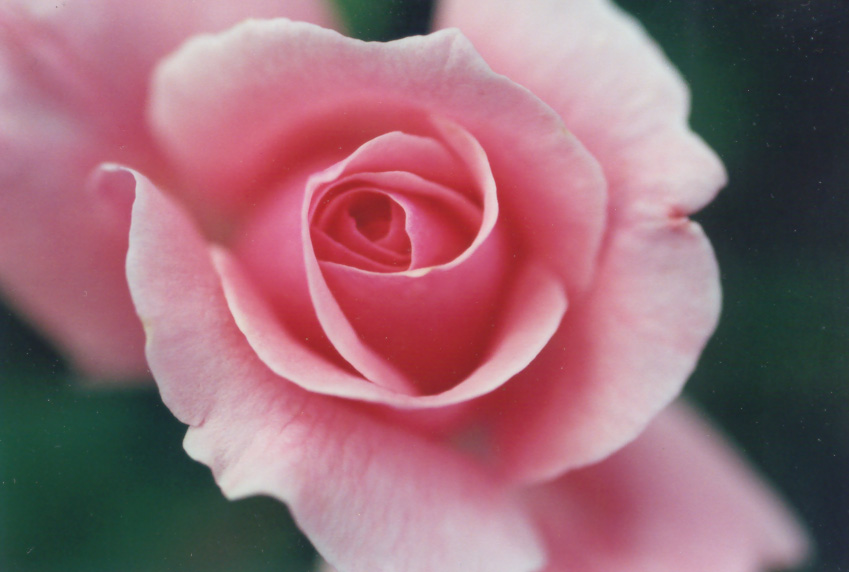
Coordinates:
(430, 321)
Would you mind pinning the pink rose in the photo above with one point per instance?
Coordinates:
(412, 298)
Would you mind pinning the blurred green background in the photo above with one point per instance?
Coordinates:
(96, 480)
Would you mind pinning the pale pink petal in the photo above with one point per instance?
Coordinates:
(530, 316)
(73, 83)
(311, 363)
(94, 57)
(611, 85)
(625, 351)
(450, 157)
(62, 237)
(622, 354)
(62, 254)
(435, 328)
(369, 497)
(676, 499)
(314, 93)
(443, 183)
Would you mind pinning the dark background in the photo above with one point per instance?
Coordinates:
(96, 480)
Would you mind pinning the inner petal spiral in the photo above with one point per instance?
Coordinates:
(392, 222)
(373, 216)
(405, 265)
(363, 228)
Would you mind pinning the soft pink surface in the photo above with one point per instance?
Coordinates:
(353, 274)
(370, 497)
(376, 497)
(626, 349)
(451, 285)
(62, 242)
(73, 90)
(284, 95)
(676, 499)
(351, 97)
(597, 68)
(314, 162)
(621, 355)
(529, 317)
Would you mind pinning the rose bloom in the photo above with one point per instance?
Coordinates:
(423, 292)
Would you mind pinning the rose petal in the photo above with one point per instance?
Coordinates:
(318, 92)
(675, 499)
(611, 85)
(529, 317)
(439, 224)
(284, 349)
(62, 253)
(621, 356)
(369, 497)
(370, 317)
(96, 55)
(656, 297)
(73, 81)
(457, 326)
(435, 328)
(269, 245)
(448, 156)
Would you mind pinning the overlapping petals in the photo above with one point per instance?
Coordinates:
(74, 79)
(410, 297)
(675, 499)
(315, 97)
(368, 495)
(480, 279)
(625, 350)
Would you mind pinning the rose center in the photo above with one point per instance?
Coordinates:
(373, 216)
(364, 228)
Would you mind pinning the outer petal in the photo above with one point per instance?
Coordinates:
(624, 351)
(611, 85)
(622, 354)
(94, 57)
(73, 81)
(370, 497)
(675, 499)
(62, 254)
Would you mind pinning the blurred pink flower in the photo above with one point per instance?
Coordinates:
(404, 294)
